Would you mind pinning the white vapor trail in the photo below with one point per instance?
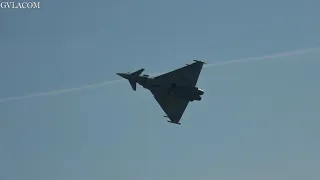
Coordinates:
(272, 56)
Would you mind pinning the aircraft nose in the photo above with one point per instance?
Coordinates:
(124, 75)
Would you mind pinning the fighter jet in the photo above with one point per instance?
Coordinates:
(173, 90)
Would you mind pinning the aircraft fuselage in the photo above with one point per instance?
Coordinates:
(187, 93)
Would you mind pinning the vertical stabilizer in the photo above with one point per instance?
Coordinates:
(132, 77)
(133, 83)
(137, 73)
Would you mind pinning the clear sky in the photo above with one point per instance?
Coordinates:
(257, 120)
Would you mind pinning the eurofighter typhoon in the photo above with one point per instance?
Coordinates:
(173, 90)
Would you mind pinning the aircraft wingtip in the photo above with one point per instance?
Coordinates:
(195, 60)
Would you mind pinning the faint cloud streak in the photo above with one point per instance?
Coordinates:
(244, 60)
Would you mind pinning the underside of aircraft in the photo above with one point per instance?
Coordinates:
(173, 90)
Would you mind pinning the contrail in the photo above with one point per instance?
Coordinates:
(272, 56)
(59, 91)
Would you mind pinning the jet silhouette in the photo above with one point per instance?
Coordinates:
(173, 90)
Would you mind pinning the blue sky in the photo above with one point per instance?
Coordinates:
(257, 120)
